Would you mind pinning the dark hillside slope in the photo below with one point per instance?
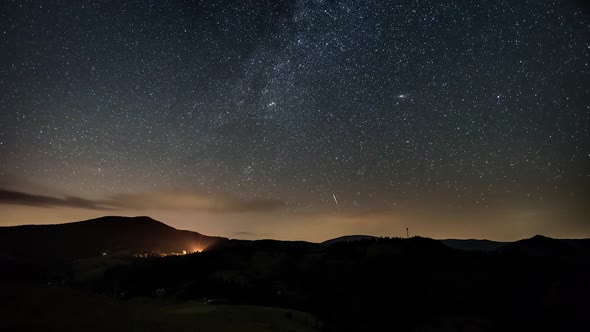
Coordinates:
(473, 245)
(93, 237)
(348, 238)
(540, 245)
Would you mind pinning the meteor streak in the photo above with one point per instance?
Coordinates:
(335, 199)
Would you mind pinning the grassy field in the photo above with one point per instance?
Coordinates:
(52, 308)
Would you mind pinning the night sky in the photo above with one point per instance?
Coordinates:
(301, 119)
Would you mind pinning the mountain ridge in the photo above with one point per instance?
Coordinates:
(106, 234)
(92, 237)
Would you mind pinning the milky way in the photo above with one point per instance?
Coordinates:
(385, 105)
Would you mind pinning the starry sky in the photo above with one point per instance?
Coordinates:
(299, 119)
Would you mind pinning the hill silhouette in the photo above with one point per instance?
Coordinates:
(110, 234)
(348, 238)
(540, 245)
(355, 283)
(380, 284)
(473, 244)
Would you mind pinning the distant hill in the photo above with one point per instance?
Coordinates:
(361, 246)
(96, 236)
(348, 238)
(537, 245)
(465, 245)
(113, 234)
(473, 245)
(540, 245)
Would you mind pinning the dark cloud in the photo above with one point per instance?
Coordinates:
(20, 198)
(168, 200)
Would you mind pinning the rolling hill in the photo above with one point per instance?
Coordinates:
(540, 245)
(348, 238)
(354, 283)
(473, 245)
(94, 237)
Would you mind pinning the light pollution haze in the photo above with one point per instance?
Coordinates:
(299, 119)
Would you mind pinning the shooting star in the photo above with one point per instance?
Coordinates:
(335, 199)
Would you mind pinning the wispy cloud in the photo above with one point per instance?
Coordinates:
(166, 200)
(20, 198)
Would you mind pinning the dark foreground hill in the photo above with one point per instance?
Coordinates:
(350, 284)
(97, 236)
(68, 310)
(382, 284)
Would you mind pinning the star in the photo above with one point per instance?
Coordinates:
(298, 100)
